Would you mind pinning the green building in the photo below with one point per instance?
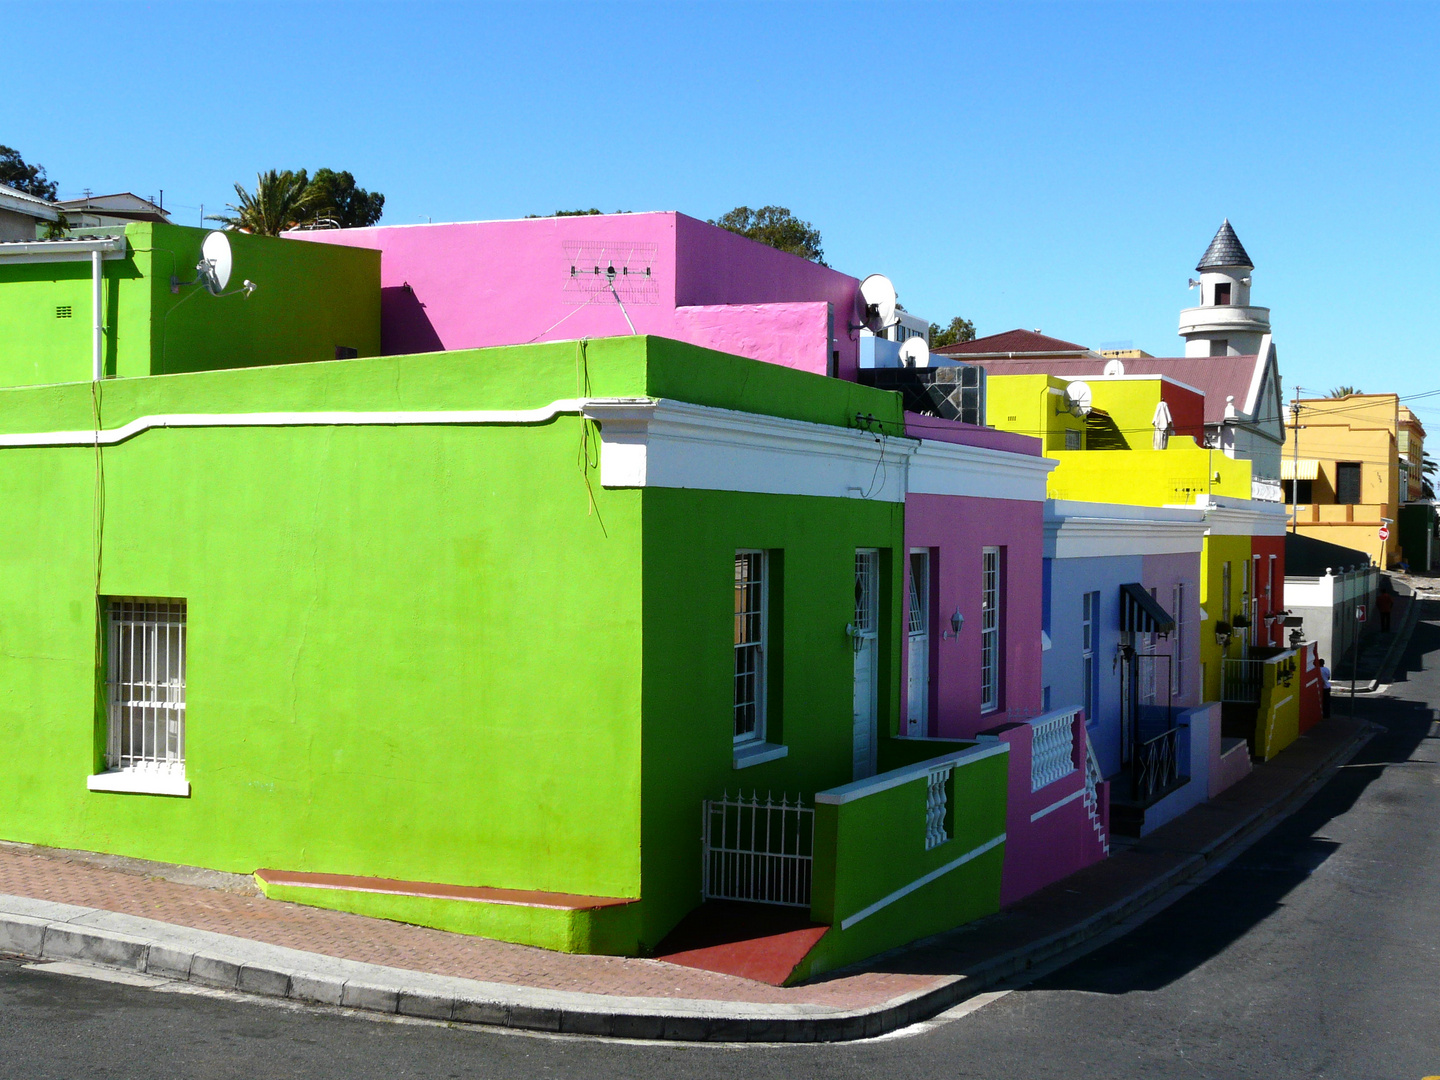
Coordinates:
(470, 639)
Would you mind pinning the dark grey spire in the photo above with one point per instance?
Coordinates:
(1225, 250)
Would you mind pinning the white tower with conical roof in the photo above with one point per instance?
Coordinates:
(1225, 324)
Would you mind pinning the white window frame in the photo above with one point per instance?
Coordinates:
(1177, 603)
(1089, 622)
(918, 592)
(990, 629)
(145, 682)
(751, 654)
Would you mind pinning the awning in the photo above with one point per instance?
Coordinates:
(1139, 612)
(1304, 469)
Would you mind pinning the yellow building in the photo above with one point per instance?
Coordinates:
(1342, 471)
(1411, 446)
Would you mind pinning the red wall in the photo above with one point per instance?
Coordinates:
(1187, 408)
(1265, 546)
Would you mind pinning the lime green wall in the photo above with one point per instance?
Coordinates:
(311, 298)
(414, 652)
(871, 847)
(690, 542)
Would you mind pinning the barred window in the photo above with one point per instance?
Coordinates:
(990, 630)
(145, 684)
(751, 587)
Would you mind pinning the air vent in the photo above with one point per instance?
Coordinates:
(64, 311)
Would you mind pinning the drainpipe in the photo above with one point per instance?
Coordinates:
(97, 358)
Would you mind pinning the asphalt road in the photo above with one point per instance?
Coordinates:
(1314, 954)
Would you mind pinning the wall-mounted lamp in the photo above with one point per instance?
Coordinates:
(1223, 633)
(956, 622)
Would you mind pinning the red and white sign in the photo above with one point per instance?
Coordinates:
(1384, 532)
(1359, 612)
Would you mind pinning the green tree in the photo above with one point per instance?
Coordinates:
(334, 196)
(959, 330)
(30, 179)
(281, 200)
(1427, 476)
(778, 227)
(1343, 391)
(571, 213)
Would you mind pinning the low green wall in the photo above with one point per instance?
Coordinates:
(875, 882)
(611, 930)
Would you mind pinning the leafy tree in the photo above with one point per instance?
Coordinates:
(30, 179)
(959, 330)
(334, 196)
(281, 200)
(1427, 475)
(1343, 391)
(778, 227)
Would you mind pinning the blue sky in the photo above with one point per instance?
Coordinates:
(1056, 166)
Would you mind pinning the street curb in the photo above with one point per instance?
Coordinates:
(50, 931)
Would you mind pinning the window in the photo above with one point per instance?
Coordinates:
(990, 630)
(1177, 609)
(1089, 618)
(751, 589)
(1219, 347)
(1301, 491)
(145, 686)
(917, 695)
(1225, 594)
(1222, 293)
(1072, 439)
(972, 394)
(1347, 482)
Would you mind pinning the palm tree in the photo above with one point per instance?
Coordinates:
(1343, 391)
(280, 201)
(1427, 476)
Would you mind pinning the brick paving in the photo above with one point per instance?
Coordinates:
(48, 874)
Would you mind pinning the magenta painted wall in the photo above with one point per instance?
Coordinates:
(469, 285)
(955, 529)
(1162, 573)
(1062, 840)
(952, 431)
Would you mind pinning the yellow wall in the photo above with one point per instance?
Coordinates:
(1362, 428)
(1033, 405)
(1149, 477)
(1219, 550)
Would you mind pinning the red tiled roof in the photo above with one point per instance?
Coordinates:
(1217, 377)
(1012, 341)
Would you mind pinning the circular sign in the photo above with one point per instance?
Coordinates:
(1384, 532)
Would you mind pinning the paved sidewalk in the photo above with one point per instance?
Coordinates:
(212, 929)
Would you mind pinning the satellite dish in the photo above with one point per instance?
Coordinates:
(877, 303)
(1080, 397)
(915, 353)
(216, 261)
(1114, 367)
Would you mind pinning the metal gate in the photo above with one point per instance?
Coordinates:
(758, 849)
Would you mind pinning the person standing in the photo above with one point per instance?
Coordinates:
(1324, 689)
(1383, 604)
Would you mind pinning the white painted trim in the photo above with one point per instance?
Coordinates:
(1257, 377)
(859, 789)
(1240, 517)
(674, 444)
(113, 436)
(45, 251)
(921, 882)
(1276, 707)
(1056, 805)
(1077, 530)
(757, 753)
(943, 468)
(137, 782)
(21, 203)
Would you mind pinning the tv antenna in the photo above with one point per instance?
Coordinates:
(877, 301)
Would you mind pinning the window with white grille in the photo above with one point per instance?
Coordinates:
(1089, 614)
(145, 686)
(1177, 601)
(918, 624)
(751, 588)
(990, 630)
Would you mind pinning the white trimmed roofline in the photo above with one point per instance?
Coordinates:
(1076, 529)
(1225, 516)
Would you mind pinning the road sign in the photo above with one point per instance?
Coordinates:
(1359, 612)
(1384, 532)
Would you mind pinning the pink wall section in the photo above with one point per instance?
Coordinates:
(1049, 834)
(475, 284)
(952, 431)
(955, 529)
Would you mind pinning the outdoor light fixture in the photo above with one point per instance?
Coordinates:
(956, 622)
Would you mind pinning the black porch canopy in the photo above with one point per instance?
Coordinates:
(1140, 613)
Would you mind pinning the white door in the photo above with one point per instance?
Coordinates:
(917, 690)
(867, 654)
